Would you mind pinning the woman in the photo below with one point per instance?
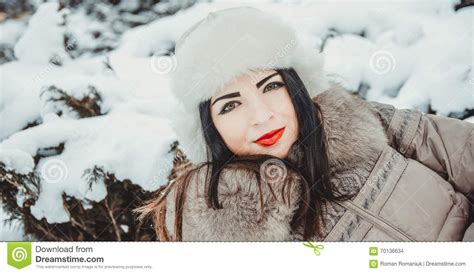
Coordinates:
(285, 155)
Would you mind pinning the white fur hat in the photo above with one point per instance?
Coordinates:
(227, 44)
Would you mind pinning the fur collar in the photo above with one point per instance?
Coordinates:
(353, 132)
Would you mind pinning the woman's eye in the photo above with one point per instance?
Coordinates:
(273, 85)
(229, 107)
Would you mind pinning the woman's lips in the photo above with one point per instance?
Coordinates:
(271, 137)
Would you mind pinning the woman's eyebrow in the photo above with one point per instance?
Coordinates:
(259, 84)
(230, 95)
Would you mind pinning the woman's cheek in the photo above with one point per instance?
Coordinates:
(234, 135)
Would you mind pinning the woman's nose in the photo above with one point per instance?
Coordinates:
(260, 112)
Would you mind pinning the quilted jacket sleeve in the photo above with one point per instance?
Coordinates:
(446, 145)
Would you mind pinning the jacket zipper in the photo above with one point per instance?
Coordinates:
(377, 221)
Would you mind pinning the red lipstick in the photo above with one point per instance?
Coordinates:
(271, 137)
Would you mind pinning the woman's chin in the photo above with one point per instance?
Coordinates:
(279, 149)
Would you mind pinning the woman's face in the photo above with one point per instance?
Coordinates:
(253, 107)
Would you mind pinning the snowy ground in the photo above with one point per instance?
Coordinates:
(415, 54)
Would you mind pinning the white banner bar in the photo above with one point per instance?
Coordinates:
(235, 257)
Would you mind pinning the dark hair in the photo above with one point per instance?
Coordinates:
(313, 168)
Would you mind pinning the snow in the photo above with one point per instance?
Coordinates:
(413, 54)
(18, 160)
(45, 32)
(439, 75)
(88, 34)
(10, 231)
(125, 228)
(470, 119)
(108, 141)
(11, 30)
